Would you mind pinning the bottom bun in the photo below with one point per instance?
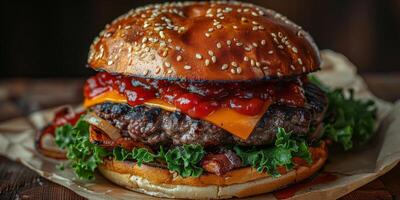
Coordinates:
(241, 182)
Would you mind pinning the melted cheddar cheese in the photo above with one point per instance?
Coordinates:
(226, 118)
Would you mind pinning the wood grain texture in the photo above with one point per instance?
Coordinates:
(19, 97)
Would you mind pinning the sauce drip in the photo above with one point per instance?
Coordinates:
(62, 117)
(291, 190)
(199, 99)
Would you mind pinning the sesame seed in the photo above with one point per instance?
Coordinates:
(158, 28)
(265, 68)
(292, 67)
(158, 70)
(207, 34)
(178, 48)
(219, 45)
(263, 42)
(144, 39)
(254, 28)
(238, 70)
(169, 71)
(198, 56)
(207, 62)
(228, 42)
(294, 49)
(258, 64)
(235, 27)
(214, 59)
(280, 34)
(165, 53)
(110, 62)
(270, 52)
(243, 19)
(279, 74)
(252, 62)
(167, 64)
(239, 44)
(187, 67)
(246, 58)
(162, 35)
(255, 44)
(106, 35)
(254, 22)
(280, 46)
(304, 69)
(146, 72)
(299, 33)
(219, 26)
(210, 30)
(233, 63)
(273, 34)
(254, 14)
(163, 44)
(211, 53)
(300, 61)
(179, 58)
(181, 29)
(224, 66)
(233, 71)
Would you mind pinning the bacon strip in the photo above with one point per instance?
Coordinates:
(97, 137)
(221, 163)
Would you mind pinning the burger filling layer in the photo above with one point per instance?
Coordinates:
(236, 107)
(154, 126)
(170, 124)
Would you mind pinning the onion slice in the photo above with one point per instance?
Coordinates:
(46, 146)
(103, 125)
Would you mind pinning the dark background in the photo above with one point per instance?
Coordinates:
(51, 39)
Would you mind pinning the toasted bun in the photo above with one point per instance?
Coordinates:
(241, 182)
(204, 41)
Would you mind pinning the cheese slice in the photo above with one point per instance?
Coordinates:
(228, 119)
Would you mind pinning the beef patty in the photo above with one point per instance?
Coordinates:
(154, 126)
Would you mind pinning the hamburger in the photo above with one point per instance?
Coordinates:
(198, 100)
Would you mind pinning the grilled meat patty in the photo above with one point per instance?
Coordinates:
(154, 126)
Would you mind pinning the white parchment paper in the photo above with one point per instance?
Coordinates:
(354, 169)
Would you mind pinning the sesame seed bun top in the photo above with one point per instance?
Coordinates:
(204, 41)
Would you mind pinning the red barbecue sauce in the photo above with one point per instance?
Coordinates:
(198, 99)
(62, 117)
(291, 190)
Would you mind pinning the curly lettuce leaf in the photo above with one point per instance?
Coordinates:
(84, 156)
(270, 158)
(185, 160)
(181, 159)
(348, 121)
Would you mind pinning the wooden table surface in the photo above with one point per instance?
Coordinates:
(19, 97)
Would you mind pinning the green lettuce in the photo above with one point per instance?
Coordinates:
(270, 158)
(348, 121)
(84, 156)
(181, 159)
